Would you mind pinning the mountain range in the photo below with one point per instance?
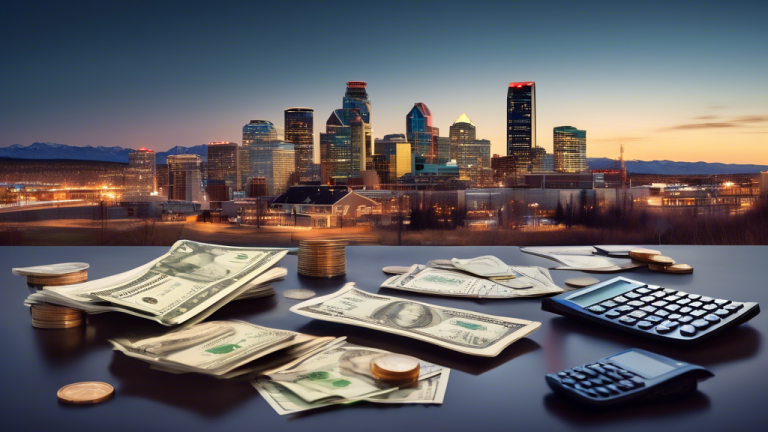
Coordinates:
(120, 154)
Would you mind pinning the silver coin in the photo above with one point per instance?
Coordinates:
(581, 282)
(50, 269)
(298, 294)
(395, 269)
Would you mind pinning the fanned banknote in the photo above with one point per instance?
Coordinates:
(465, 331)
(528, 282)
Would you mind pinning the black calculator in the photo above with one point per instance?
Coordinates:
(651, 311)
(631, 375)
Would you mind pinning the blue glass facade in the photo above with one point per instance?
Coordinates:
(521, 117)
(418, 127)
(260, 138)
(299, 129)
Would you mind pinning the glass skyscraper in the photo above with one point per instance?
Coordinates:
(418, 128)
(356, 98)
(260, 138)
(346, 147)
(570, 154)
(462, 131)
(521, 117)
(184, 180)
(141, 172)
(299, 131)
(223, 166)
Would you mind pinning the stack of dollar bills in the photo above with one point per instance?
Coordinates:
(186, 285)
(294, 372)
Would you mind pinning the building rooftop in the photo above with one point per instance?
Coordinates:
(320, 195)
(463, 119)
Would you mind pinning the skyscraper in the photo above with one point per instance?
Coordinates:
(244, 166)
(279, 166)
(336, 149)
(356, 98)
(521, 117)
(418, 128)
(299, 131)
(223, 166)
(184, 177)
(462, 131)
(540, 161)
(260, 138)
(570, 153)
(141, 172)
(443, 150)
(477, 153)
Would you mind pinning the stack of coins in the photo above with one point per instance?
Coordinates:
(54, 274)
(57, 280)
(322, 258)
(658, 262)
(48, 316)
(395, 368)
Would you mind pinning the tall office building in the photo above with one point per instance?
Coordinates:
(540, 161)
(161, 179)
(141, 172)
(223, 166)
(299, 131)
(521, 117)
(184, 181)
(503, 170)
(443, 150)
(570, 153)
(244, 166)
(418, 128)
(279, 166)
(260, 137)
(477, 153)
(398, 156)
(356, 98)
(462, 131)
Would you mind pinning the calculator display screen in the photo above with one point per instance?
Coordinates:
(604, 293)
(643, 364)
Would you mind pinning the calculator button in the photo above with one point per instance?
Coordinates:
(627, 320)
(685, 310)
(643, 290)
(669, 291)
(568, 381)
(624, 309)
(644, 325)
(710, 307)
(660, 303)
(632, 295)
(674, 317)
(672, 307)
(602, 391)
(659, 294)
(712, 318)
(653, 319)
(620, 299)
(648, 309)
(562, 375)
(626, 373)
(683, 302)
(612, 314)
(687, 330)
(653, 287)
(638, 314)
(585, 383)
(700, 324)
(685, 320)
(596, 309)
(635, 303)
(721, 313)
(609, 304)
(638, 381)
(694, 296)
(615, 376)
(706, 299)
(598, 381)
(597, 368)
(682, 294)
(647, 299)
(696, 304)
(586, 390)
(605, 379)
(722, 302)
(662, 329)
(670, 324)
(625, 384)
(698, 313)
(661, 313)
(586, 371)
(612, 388)
(733, 306)
(672, 298)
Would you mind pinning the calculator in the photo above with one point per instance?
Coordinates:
(631, 375)
(651, 311)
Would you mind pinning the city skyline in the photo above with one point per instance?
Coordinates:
(683, 85)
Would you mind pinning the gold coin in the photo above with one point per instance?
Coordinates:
(57, 317)
(53, 308)
(298, 294)
(89, 392)
(395, 368)
(582, 282)
(661, 259)
(58, 325)
(675, 269)
(57, 280)
(643, 254)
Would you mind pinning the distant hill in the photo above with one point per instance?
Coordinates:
(119, 154)
(680, 168)
(107, 154)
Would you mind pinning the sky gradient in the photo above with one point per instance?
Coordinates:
(682, 81)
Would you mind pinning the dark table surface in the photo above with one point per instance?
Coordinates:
(483, 394)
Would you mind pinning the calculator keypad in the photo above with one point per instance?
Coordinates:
(664, 311)
(600, 380)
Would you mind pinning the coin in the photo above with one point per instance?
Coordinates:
(298, 294)
(643, 254)
(322, 258)
(581, 282)
(676, 268)
(661, 259)
(51, 269)
(58, 280)
(89, 392)
(395, 269)
(58, 324)
(395, 368)
(45, 307)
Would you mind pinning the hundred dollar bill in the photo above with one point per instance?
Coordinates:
(186, 281)
(528, 282)
(460, 330)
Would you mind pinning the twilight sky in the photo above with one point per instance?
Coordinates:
(682, 81)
